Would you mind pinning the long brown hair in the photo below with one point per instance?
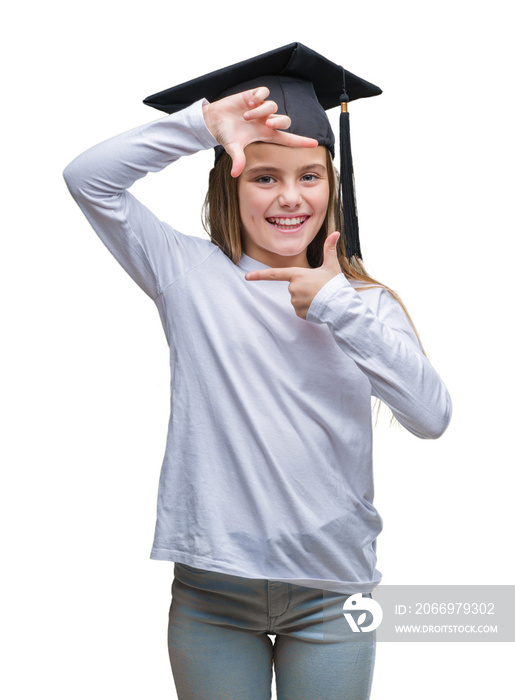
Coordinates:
(221, 220)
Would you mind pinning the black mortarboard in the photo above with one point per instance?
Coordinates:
(303, 84)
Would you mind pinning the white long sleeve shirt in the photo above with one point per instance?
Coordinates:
(268, 465)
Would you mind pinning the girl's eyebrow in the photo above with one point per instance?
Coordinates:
(263, 169)
(275, 169)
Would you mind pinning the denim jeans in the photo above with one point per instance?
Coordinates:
(220, 646)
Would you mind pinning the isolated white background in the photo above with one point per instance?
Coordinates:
(84, 359)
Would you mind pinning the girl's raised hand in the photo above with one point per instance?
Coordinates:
(241, 119)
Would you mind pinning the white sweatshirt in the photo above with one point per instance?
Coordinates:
(268, 465)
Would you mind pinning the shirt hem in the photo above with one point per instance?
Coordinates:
(345, 587)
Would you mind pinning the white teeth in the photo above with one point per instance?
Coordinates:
(288, 222)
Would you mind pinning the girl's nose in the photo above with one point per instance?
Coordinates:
(290, 196)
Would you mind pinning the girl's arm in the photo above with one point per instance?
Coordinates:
(148, 249)
(372, 328)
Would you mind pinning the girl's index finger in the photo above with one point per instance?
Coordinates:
(272, 273)
(284, 138)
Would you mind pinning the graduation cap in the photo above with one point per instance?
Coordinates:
(303, 84)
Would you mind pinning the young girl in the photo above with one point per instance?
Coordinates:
(277, 343)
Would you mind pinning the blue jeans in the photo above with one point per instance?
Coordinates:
(220, 648)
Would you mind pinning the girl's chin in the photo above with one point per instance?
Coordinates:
(288, 248)
(286, 256)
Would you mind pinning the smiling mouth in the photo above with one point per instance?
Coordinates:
(287, 223)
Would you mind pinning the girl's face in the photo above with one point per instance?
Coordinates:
(283, 195)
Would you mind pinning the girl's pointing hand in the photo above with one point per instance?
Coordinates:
(305, 282)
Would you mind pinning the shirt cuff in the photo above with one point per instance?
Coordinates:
(324, 296)
(203, 134)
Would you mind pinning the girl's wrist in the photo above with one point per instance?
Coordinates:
(207, 113)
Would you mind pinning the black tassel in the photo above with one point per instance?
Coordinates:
(346, 192)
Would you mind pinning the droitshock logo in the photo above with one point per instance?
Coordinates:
(356, 603)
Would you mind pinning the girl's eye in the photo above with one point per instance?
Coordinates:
(310, 177)
(265, 179)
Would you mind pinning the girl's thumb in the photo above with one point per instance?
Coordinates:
(330, 253)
